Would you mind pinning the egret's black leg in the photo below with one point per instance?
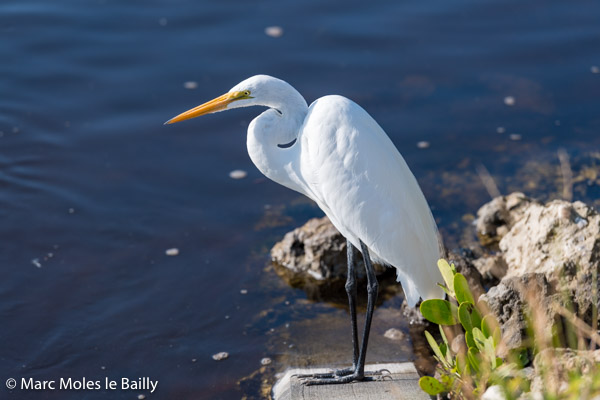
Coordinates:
(351, 291)
(372, 291)
(357, 373)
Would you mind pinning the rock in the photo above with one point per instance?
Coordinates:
(274, 31)
(552, 368)
(313, 257)
(560, 240)
(220, 356)
(495, 218)
(316, 250)
(547, 249)
(265, 361)
(238, 174)
(494, 393)
(414, 317)
(516, 297)
(172, 252)
(394, 334)
(492, 268)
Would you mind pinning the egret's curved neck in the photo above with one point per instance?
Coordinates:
(279, 125)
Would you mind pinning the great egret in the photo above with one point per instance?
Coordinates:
(337, 155)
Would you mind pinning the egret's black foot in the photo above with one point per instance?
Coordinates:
(336, 379)
(345, 375)
(332, 374)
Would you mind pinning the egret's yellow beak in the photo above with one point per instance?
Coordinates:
(218, 104)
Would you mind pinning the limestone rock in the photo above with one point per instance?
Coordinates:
(560, 240)
(548, 249)
(316, 250)
(555, 365)
(313, 257)
(494, 219)
(514, 298)
(492, 268)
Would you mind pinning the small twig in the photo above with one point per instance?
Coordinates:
(567, 174)
(488, 181)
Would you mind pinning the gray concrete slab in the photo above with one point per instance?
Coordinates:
(402, 385)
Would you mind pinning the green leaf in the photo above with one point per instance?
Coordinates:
(499, 362)
(491, 328)
(486, 346)
(447, 274)
(445, 347)
(444, 350)
(464, 316)
(476, 318)
(431, 385)
(443, 334)
(440, 312)
(447, 381)
(436, 349)
(461, 289)
(490, 351)
(479, 339)
(472, 357)
(469, 339)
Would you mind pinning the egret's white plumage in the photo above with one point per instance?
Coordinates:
(343, 160)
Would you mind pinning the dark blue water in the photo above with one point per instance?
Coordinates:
(94, 189)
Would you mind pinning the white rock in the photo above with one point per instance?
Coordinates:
(515, 136)
(238, 174)
(220, 356)
(172, 252)
(274, 31)
(266, 361)
(543, 241)
(509, 101)
(581, 223)
(394, 334)
(494, 393)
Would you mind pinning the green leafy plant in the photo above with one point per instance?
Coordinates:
(469, 363)
(471, 341)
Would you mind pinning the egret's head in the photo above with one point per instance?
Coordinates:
(246, 93)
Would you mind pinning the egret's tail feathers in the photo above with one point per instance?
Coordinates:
(424, 288)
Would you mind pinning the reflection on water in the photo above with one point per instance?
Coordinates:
(94, 189)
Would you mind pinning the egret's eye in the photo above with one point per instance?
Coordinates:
(247, 93)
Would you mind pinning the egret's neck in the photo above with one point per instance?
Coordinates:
(271, 132)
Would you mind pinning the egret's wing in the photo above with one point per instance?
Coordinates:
(357, 176)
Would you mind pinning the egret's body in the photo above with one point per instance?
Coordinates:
(337, 155)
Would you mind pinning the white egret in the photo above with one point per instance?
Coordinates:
(337, 155)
